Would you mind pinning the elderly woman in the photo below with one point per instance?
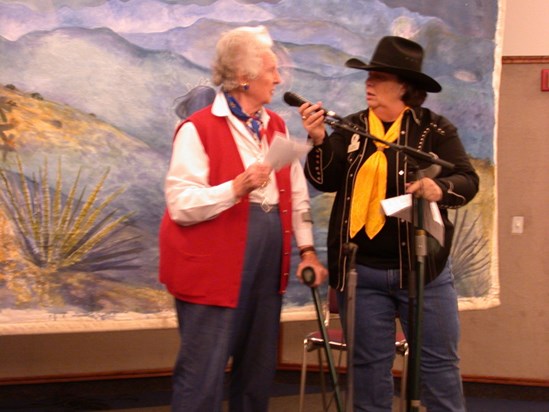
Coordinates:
(363, 172)
(226, 235)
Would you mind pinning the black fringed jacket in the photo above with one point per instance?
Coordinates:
(332, 167)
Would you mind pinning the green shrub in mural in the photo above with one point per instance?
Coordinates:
(471, 256)
(57, 232)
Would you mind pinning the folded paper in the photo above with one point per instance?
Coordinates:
(401, 207)
(283, 151)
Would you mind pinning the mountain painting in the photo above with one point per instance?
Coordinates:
(90, 93)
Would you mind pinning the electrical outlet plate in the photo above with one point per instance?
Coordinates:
(517, 225)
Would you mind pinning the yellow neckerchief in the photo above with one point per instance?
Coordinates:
(371, 182)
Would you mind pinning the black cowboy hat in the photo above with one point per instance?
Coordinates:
(399, 56)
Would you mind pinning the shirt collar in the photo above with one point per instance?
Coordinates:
(221, 108)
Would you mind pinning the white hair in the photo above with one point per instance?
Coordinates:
(239, 53)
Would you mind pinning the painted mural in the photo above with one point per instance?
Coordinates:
(90, 92)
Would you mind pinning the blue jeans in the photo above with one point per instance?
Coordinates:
(249, 333)
(378, 301)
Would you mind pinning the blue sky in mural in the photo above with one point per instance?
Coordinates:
(157, 50)
(130, 62)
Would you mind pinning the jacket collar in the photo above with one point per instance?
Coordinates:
(415, 114)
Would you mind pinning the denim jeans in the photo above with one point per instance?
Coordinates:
(379, 299)
(209, 335)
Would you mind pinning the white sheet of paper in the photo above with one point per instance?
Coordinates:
(283, 151)
(401, 207)
(432, 221)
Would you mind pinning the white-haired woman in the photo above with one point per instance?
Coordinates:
(226, 235)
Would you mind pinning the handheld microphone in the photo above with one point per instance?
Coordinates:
(294, 99)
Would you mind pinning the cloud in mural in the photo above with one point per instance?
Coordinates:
(17, 20)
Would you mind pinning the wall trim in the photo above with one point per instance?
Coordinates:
(166, 372)
(502, 380)
(524, 59)
(81, 377)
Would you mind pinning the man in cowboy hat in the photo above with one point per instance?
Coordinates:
(363, 171)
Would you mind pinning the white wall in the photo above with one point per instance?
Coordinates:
(526, 28)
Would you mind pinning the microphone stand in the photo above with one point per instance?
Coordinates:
(350, 250)
(416, 276)
(416, 282)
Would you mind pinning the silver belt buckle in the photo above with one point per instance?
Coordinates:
(265, 206)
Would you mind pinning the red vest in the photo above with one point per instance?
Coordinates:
(203, 263)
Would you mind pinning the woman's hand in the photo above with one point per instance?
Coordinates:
(310, 260)
(313, 121)
(254, 177)
(425, 188)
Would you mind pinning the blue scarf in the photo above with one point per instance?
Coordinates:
(253, 122)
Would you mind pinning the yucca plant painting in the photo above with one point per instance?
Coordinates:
(470, 256)
(58, 232)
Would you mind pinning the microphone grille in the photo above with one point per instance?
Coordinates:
(293, 99)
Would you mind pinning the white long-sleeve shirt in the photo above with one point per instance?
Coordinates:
(189, 197)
